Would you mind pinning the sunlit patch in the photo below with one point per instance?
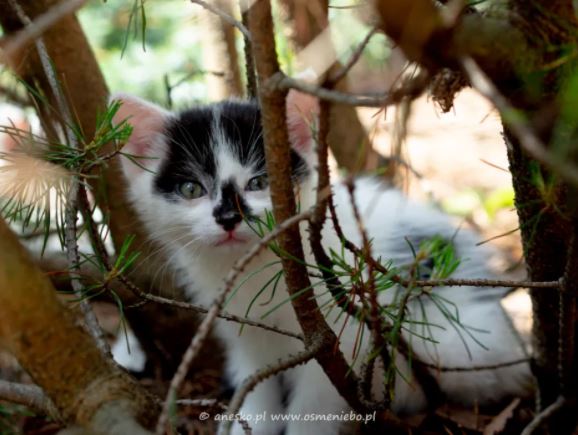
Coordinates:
(32, 182)
(518, 305)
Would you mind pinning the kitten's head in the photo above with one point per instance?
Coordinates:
(198, 177)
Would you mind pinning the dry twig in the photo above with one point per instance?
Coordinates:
(543, 416)
(410, 89)
(224, 16)
(252, 381)
(355, 56)
(31, 396)
(248, 51)
(518, 125)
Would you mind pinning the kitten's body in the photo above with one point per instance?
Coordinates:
(219, 147)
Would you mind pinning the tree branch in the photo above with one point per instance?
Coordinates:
(224, 16)
(28, 395)
(252, 381)
(543, 416)
(248, 51)
(410, 89)
(518, 125)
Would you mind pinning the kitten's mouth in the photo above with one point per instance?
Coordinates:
(230, 239)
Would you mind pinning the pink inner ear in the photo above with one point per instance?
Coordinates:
(148, 122)
(7, 142)
(302, 111)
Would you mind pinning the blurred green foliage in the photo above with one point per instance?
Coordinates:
(491, 202)
(135, 57)
(171, 46)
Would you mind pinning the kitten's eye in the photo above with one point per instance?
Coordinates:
(190, 190)
(257, 183)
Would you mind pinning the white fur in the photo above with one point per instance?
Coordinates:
(128, 352)
(189, 232)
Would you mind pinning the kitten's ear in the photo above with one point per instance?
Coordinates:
(302, 114)
(148, 122)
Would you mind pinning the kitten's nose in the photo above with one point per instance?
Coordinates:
(229, 219)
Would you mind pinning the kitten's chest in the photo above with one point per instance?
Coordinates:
(258, 292)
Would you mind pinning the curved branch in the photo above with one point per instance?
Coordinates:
(45, 338)
(31, 396)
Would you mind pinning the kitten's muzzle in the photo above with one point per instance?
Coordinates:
(228, 220)
(231, 209)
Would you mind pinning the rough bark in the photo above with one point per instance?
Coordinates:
(61, 357)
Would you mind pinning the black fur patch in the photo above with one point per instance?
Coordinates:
(191, 155)
(190, 152)
(232, 208)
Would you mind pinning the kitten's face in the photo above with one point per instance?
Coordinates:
(204, 182)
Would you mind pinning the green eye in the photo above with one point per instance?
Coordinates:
(190, 190)
(257, 183)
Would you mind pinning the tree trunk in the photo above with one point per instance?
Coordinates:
(61, 357)
(220, 54)
(348, 139)
(523, 53)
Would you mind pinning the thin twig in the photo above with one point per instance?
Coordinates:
(317, 221)
(71, 240)
(325, 263)
(207, 323)
(31, 396)
(170, 87)
(34, 29)
(410, 89)
(567, 317)
(541, 418)
(355, 56)
(375, 322)
(518, 125)
(252, 381)
(202, 310)
(448, 282)
(224, 16)
(485, 283)
(366, 378)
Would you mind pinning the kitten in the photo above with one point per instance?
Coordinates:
(204, 171)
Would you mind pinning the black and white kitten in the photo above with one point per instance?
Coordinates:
(203, 171)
